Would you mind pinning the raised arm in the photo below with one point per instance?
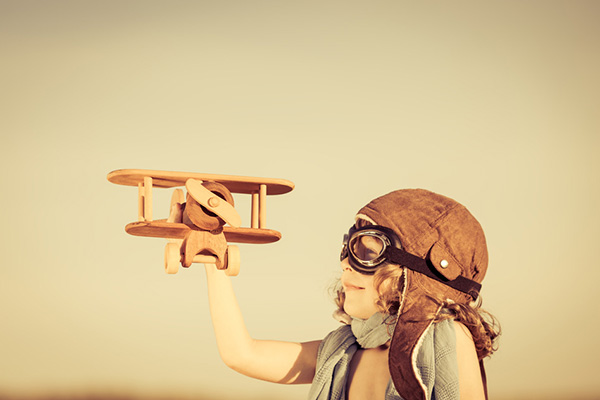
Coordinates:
(273, 361)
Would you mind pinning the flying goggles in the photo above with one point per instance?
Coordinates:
(373, 246)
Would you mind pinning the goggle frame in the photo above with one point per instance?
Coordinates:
(387, 237)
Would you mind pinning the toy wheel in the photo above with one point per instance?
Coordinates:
(172, 258)
(233, 261)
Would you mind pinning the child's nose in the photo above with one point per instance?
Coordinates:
(345, 265)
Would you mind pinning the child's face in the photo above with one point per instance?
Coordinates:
(361, 295)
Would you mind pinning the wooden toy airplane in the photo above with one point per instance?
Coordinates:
(196, 225)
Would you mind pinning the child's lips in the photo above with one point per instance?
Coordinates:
(350, 287)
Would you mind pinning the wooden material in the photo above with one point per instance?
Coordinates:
(195, 215)
(148, 198)
(172, 257)
(162, 229)
(254, 214)
(168, 179)
(235, 184)
(209, 198)
(233, 261)
(204, 195)
(177, 205)
(203, 243)
(262, 206)
(202, 259)
(140, 201)
(177, 197)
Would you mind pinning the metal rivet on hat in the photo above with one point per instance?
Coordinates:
(444, 263)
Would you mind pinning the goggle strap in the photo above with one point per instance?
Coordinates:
(420, 265)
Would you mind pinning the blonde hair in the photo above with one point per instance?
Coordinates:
(389, 284)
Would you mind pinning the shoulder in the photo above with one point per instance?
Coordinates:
(469, 371)
(465, 347)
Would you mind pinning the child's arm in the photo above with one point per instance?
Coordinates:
(281, 362)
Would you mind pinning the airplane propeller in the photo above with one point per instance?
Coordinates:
(213, 203)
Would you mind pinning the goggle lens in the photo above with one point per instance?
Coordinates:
(367, 248)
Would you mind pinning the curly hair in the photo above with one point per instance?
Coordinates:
(389, 284)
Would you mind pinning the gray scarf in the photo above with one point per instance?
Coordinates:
(435, 359)
(372, 332)
(329, 382)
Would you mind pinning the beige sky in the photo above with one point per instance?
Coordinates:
(494, 104)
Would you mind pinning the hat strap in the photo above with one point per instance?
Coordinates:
(425, 267)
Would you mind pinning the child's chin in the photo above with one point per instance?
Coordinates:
(356, 313)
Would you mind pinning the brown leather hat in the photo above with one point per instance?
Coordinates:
(445, 234)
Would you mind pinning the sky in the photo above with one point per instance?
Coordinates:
(494, 104)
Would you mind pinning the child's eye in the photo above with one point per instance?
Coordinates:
(367, 254)
(367, 248)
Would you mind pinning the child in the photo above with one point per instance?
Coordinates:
(412, 267)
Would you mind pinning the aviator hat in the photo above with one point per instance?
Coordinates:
(443, 232)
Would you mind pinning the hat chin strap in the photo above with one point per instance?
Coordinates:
(424, 267)
(410, 329)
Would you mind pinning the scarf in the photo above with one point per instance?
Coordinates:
(338, 348)
(435, 359)
(372, 332)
